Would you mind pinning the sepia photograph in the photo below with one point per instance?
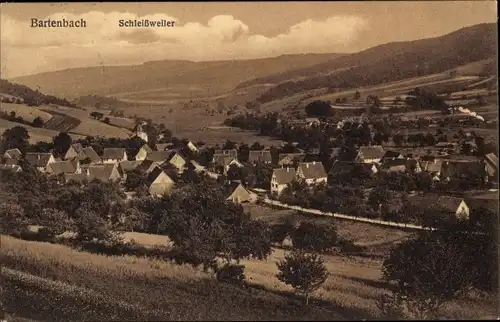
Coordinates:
(249, 161)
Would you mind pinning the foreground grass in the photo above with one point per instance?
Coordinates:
(44, 281)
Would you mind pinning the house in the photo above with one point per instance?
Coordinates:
(163, 146)
(463, 170)
(263, 156)
(14, 154)
(159, 182)
(401, 165)
(370, 154)
(239, 194)
(225, 161)
(312, 172)
(114, 155)
(177, 160)
(196, 166)
(289, 159)
(454, 205)
(11, 167)
(104, 172)
(158, 156)
(129, 165)
(312, 121)
(281, 178)
(190, 145)
(143, 152)
(391, 155)
(140, 133)
(434, 168)
(40, 160)
(491, 167)
(73, 152)
(233, 153)
(147, 166)
(63, 167)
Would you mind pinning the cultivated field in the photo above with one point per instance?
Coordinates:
(36, 134)
(90, 127)
(28, 113)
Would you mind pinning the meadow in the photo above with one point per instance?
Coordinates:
(36, 134)
(28, 113)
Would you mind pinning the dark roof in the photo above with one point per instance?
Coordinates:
(399, 165)
(312, 170)
(163, 146)
(492, 159)
(155, 172)
(284, 175)
(372, 152)
(129, 165)
(391, 154)
(222, 159)
(457, 168)
(294, 157)
(113, 153)
(64, 167)
(159, 156)
(13, 154)
(38, 159)
(101, 172)
(449, 203)
(11, 167)
(90, 153)
(259, 156)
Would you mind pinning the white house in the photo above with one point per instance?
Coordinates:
(114, 155)
(281, 178)
(311, 172)
(143, 152)
(370, 154)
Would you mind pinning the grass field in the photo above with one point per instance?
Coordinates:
(98, 128)
(36, 134)
(28, 113)
(47, 281)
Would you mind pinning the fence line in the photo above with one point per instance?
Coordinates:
(338, 215)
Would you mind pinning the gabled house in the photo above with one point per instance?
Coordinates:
(143, 152)
(455, 206)
(163, 146)
(311, 172)
(233, 153)
(353, 167)
(239, 194)
(147, 166)
(491, 167)
(370, 154)
(114, 155)
(11, 167)
(289, 159)
(73, 152)
(190, 145)
(76, 177)
(63, 167)
(281, 178)
(225, 161)
(14, 154)
(159, 182)
(128, 166)
(434, 168)
(104, 172)
(263, 156)
(40, 160)
(158, 156)
(177, 160)
(196, 166)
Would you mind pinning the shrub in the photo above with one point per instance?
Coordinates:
(315, 237)
(231, 273)
(12, 219)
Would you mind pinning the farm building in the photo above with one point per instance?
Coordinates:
(90, 154)
(233, 153)
(370, 154)
(225, 161)
(73, 152)
(177, 160)
(104, 172)
(454, 205)
(114, 155)
(312, 172)
(63, 167)
(159, 182)
(143, 152)
(281, 178)
(13, 154)
(289, 159)
(239, 194)
(255, 157)
(40, 160)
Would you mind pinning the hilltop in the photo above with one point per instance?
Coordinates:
(175, 77)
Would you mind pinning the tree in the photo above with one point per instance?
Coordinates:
(61, 142)
(311, 236)
(91, 227)
(54, 222)
(357, 95)
(37, 122)
(318, 108)
(106, 120)
(12, 219)
(305, 272)
(135, 179)
(15, 137)
(377, 197)
(427, 272)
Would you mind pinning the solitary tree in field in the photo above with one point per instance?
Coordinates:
(305, 272)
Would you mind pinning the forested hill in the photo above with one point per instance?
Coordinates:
(29, 96)
(388, 62)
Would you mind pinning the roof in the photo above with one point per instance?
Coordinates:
(372, 152)
(12, 154)
(91, 154)
(238, 193)
(63, 167)
(159, 156)
(449, 203)
(78, 147)
(391, 154)
(222, 159)
(492, 159)
(292, 156)
(284, 175)
(259, 156)
(399, 165)
(101, 172)
(432, 166)
(113, 153)
(146, 148)
(155, 172)
(457, 168)
(11, 167)
(78, 177)
(38, 159)
(312, 120)
(163, 146)
(129, 165)
(312, 170)
(147, 166)
(196, 165)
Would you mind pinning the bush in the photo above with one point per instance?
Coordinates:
(231, 273)
(315, 237)
(12, 219)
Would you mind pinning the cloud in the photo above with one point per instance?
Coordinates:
(27, 50)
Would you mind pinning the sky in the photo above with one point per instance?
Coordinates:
(218, 30)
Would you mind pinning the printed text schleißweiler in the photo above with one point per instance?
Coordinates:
(146, 23)
(60, 23)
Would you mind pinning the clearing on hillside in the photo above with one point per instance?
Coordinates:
(28, 113)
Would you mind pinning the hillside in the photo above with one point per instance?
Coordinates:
(390, 62)
(177, 78)
(29, 96)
